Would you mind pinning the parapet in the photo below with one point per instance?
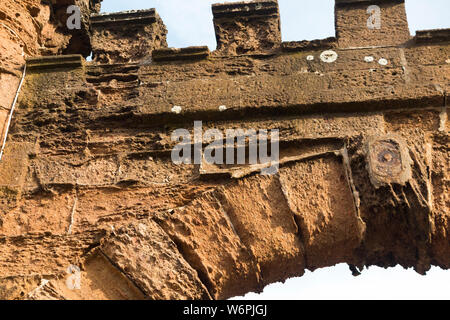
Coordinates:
(363, 23)
(247, 27)
(128, 36)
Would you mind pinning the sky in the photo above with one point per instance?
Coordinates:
(190, 24)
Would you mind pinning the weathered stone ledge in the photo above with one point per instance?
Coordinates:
(305, 45)
(55, 62)
(433, 36)
(134, 16)
(245, 8)
(175, 54)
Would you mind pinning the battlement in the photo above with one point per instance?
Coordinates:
(247, 27)
(362, 23)
(128, 36)
(250, 27)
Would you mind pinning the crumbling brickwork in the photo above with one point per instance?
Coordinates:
(93, 207)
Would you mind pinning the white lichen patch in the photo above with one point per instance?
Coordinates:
(329, 56)
(383, 62)
(177, 109)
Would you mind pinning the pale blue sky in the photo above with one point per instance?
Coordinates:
(190, 23)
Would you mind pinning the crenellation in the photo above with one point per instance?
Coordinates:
(362, 23)
(140, 32)
(247, 27)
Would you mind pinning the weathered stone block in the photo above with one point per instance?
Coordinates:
(264, 222)
(14, 164)
(206, 238)
(371, 23)
(97, 279)
(145, 253)
(139, 32)
(43, 253)
(247, 27)
(319, 194)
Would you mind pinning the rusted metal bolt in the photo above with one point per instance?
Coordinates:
(388, 160)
